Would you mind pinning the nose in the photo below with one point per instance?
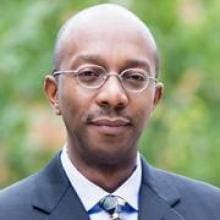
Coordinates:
(112, 94)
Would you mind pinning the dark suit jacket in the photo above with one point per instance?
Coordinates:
(48, 195)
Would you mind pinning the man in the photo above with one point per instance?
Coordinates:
(105, 87)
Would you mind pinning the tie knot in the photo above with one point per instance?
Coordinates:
(113, 205)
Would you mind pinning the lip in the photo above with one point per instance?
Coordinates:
(111, 122)
(110, 126)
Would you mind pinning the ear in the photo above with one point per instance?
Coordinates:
(159, 89)
(51, 91)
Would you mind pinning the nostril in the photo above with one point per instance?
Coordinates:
(104, 103)
(112, 105)
(120, 105)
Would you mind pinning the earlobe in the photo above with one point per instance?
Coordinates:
(159, 89)
(50, 88)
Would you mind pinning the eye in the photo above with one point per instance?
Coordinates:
(90, 76)
(134, 80)
(89, 73)
(134, 76)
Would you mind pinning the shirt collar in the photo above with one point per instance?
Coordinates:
(129, 190)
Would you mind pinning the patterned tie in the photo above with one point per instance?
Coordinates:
(113, 205)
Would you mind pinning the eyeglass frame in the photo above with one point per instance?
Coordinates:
(119, 76)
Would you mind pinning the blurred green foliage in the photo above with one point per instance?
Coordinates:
(184, 132)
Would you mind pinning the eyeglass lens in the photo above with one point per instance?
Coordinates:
(95, 77)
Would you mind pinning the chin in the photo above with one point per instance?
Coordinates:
(105, 150)
(109, 155)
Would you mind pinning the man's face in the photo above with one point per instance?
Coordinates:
(104, 124)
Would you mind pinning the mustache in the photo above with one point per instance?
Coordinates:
(92, 116)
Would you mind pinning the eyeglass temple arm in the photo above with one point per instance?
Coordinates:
(56, 73)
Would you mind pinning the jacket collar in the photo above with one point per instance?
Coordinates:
(54, 195)
(158, 196)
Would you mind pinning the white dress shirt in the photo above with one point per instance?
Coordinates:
(90, 194)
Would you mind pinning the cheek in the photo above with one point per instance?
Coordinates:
(143, 107)
(74, 103)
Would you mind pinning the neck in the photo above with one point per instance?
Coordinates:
(108, 176)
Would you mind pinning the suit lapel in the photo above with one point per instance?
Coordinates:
(157, 198)
(54, 195)
(56, 199)
(69, 208)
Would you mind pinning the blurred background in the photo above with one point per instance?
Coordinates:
(184, 134)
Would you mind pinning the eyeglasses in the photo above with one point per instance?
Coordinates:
(94, 77)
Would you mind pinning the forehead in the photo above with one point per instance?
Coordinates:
(113, 40)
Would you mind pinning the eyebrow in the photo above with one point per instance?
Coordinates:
(90, 58)
(98, 60)
(137, 63)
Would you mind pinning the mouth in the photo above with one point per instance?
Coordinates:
(110, 126)
(111, 122)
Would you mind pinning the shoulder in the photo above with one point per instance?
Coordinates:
(196, 196)
(17, 189)
(192, 197)
(187, 186)
(17, 197)
(18, 200)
